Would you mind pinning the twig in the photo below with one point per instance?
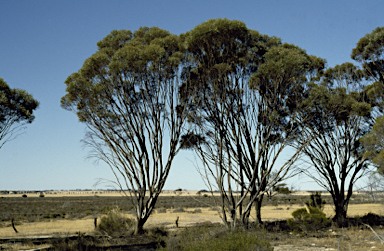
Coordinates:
(378, 236)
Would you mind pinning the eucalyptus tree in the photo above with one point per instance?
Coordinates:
(16, 111)
(369, 52)
(127, 96)
(341, 116)
(245, 87)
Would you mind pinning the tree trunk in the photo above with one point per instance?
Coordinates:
(340, 210)
(257, 204)
(139, 226)
(144, 212)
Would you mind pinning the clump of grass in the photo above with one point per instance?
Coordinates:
(88, 212)
(161, 210)
(115, 223)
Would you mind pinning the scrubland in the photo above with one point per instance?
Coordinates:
(73, 215)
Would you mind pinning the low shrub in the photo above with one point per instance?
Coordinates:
(24, 196)
(216, 238)
(196, 211)
(161, 210)
(305, 221)
(179, 210)
(53, 215)
(115, 223)
(372, 219)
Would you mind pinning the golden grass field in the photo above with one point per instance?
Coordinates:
(269, 213)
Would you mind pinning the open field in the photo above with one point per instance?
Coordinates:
(189, 217)
(66, 213)
(114, 193)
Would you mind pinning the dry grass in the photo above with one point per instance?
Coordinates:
(187, 218)
(75, 205)
(23, 246)
(355, 239)
(282, 212)
(49, 228)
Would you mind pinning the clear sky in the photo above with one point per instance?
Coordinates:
(43, 42)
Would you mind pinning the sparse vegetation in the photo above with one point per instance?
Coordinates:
(64, 209)
(216, 238)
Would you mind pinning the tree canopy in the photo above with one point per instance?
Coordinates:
(245, 89)
(127, 95)
(16, 110)
(340, 117)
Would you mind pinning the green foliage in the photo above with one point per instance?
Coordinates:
(282, 188)
(16, 106)
(126, 93)
(212, 239)
(114, 223)
(305, 221)
(24, 196)
(374, 144)
(370, 52)
(315, 200)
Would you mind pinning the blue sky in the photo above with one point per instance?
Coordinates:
(43, 42)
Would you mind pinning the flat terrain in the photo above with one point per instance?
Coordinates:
(69, 212)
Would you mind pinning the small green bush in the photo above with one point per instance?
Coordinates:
(305, 221)
(41, 195)
(114, 223)
(24, 196)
